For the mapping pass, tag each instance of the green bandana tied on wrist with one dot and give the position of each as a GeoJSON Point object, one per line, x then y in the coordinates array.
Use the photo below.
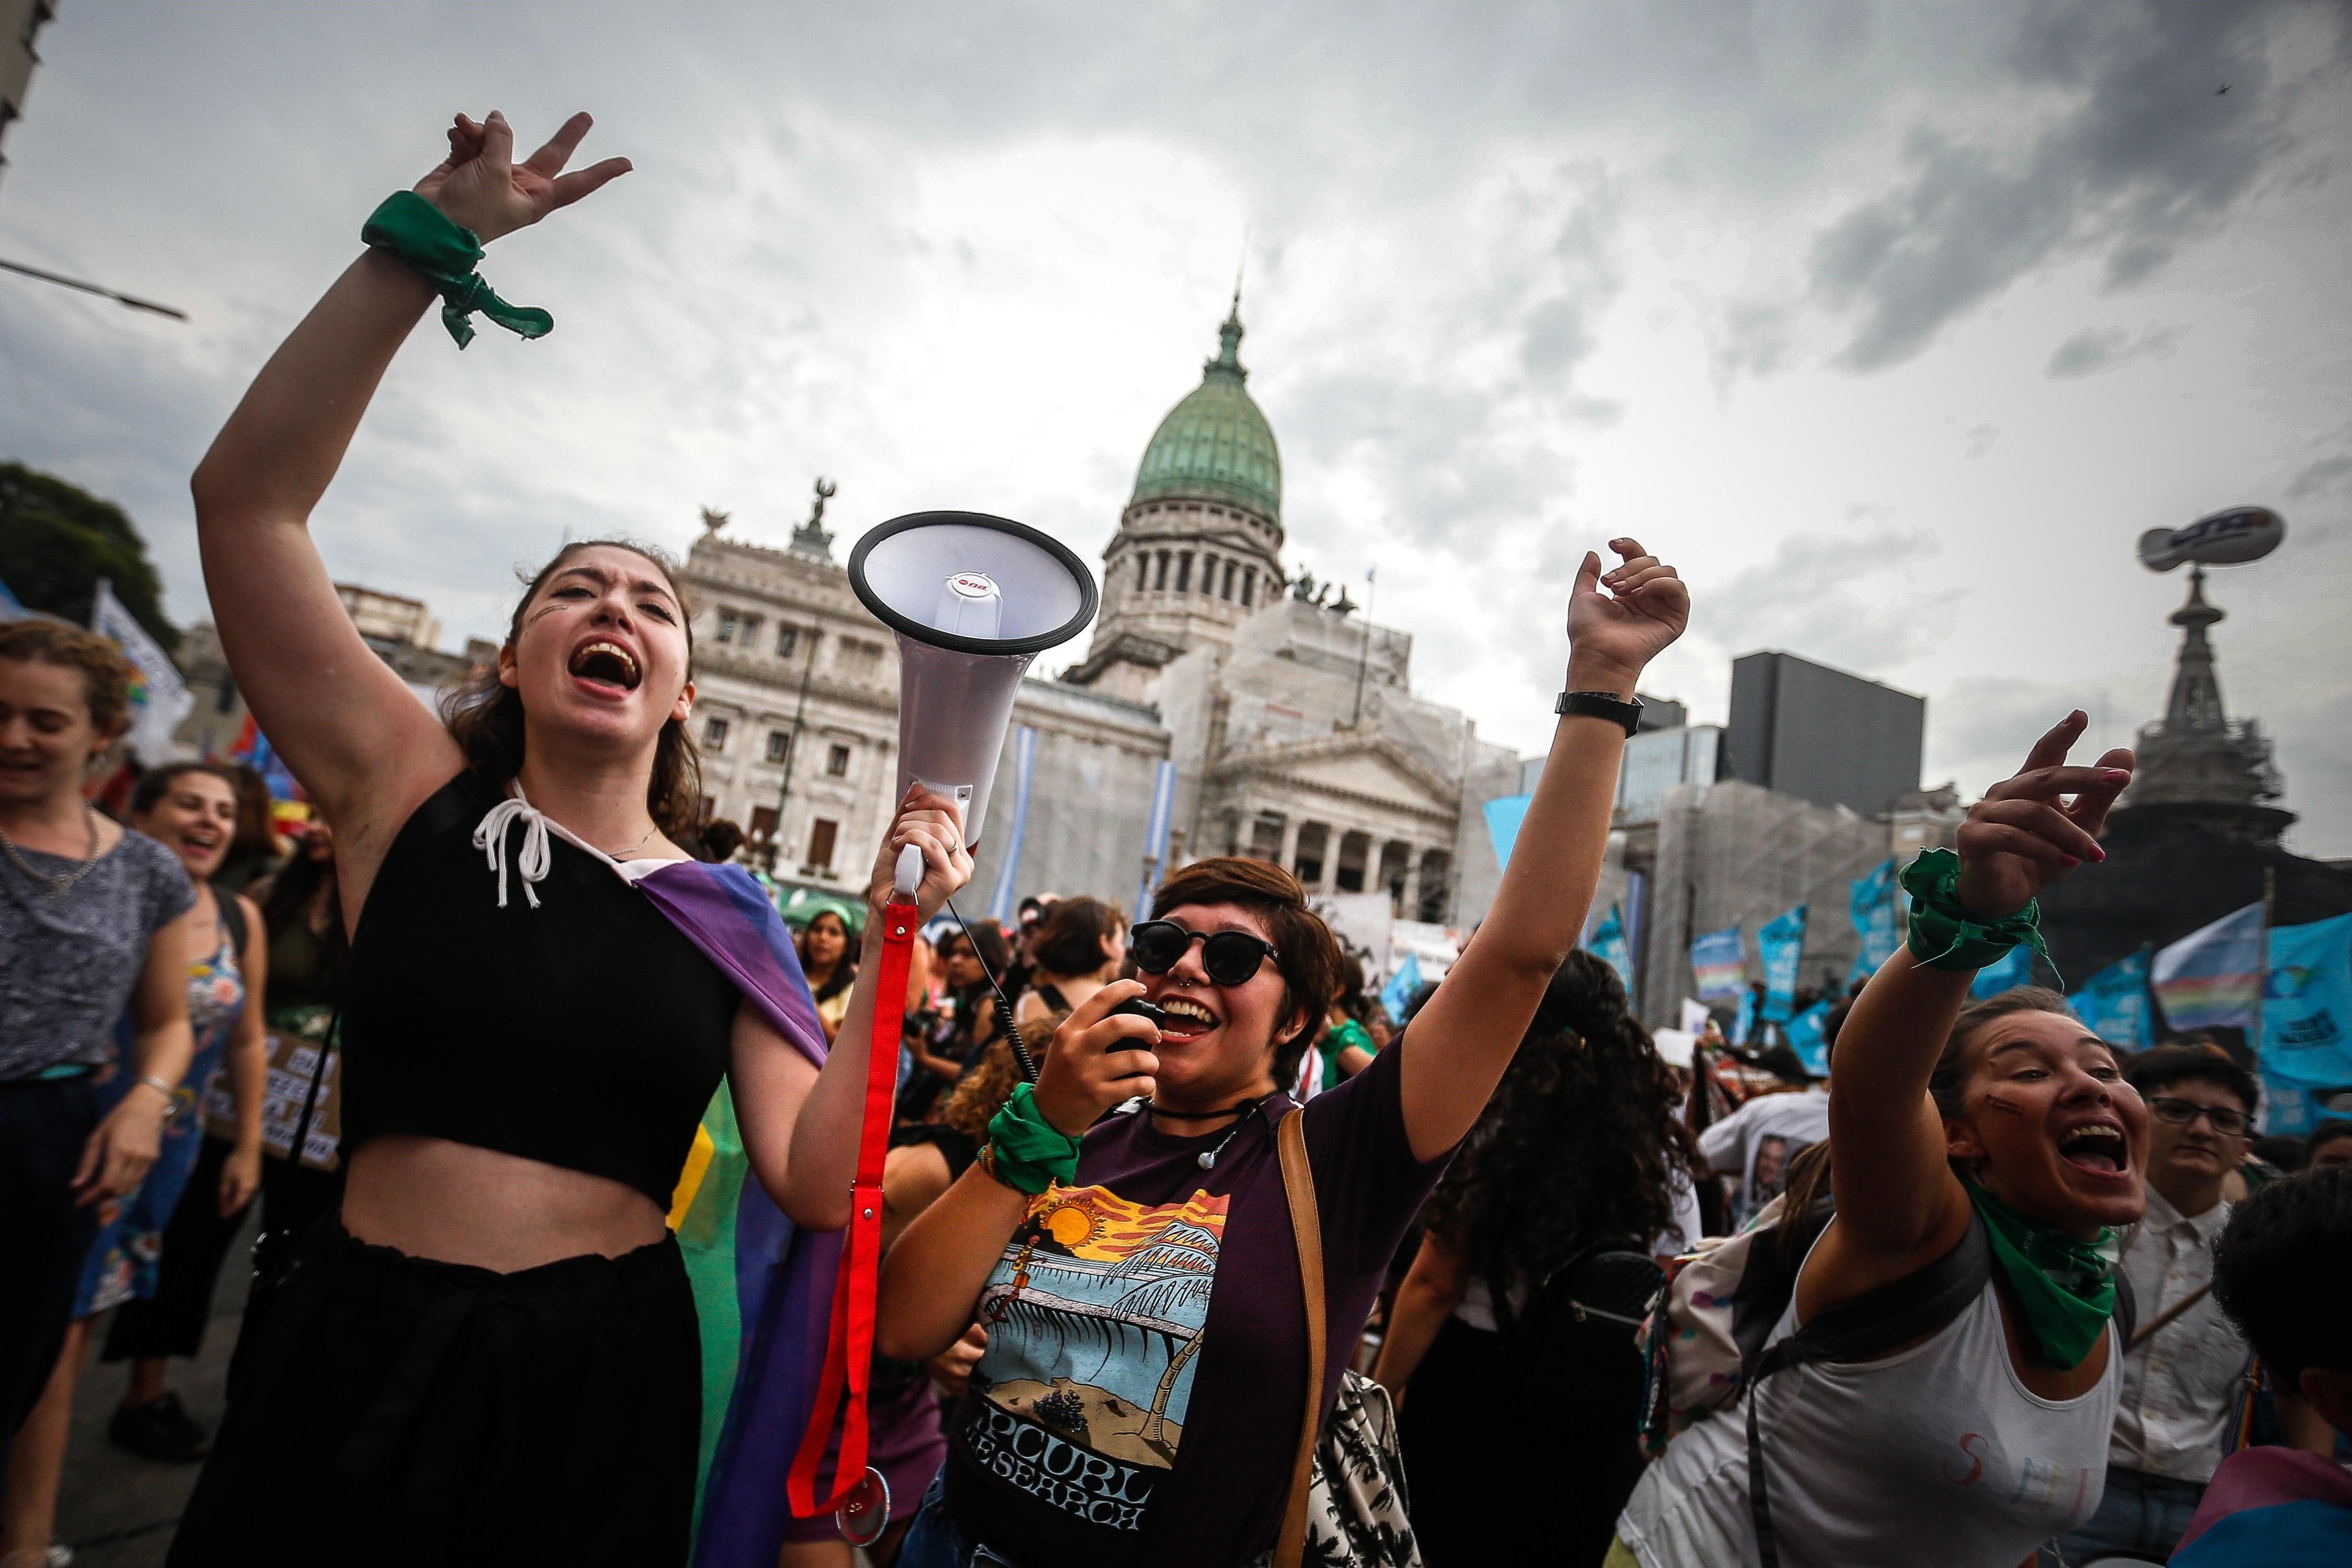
{"type": "Point", "coordinates": [428, 242]}
{"type": "Point", "coordinates": [1027, 1152]}
{"type": "Point", "coordinates": [1943, 936]}
{"type": "Point", "coordinates": [2066, 1286]}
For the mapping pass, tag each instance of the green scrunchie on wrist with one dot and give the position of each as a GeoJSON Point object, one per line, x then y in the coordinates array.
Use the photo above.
{"type": "Point", "coordinates": [1943, 936]}
{"type": "Point", "coordinates": [433, 246]}
{"type": "Point", "coordinates": [1027, 1152]}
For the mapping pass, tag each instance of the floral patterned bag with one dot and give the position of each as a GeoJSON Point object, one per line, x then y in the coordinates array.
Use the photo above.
{"type": "Point", "coordinates": [1348, 1506]}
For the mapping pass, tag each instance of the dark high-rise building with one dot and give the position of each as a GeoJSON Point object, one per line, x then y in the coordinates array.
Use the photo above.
{"type": "Point", "coordinates": [1823, 735]}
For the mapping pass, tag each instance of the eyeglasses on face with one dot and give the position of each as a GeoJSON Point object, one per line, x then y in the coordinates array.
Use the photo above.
{"type": "Point", "coordinates": [2174, 1111]}
{"type": "Point", "coordinates": [1229, 957]}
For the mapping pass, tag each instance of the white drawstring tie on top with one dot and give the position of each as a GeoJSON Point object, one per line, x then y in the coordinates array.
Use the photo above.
{"type": "Point", "coordinates": [490, 838]}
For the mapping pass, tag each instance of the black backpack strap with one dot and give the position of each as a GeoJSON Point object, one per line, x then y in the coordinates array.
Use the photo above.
{"type": "Point", "coordinates": [232, 920]}
{"type": "Point", "coordinates": [2126, 1313]}
{"type": "Point", "coordinates": [1871, 1324]}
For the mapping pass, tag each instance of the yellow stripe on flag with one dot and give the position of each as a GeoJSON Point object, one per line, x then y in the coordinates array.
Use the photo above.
{"type": "Point", "coordinates": [689, 1180]}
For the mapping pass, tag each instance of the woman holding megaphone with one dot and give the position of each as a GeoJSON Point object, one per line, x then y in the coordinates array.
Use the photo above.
{"type": "Point", "coordinates": [1127, 1235]}
{"type": "Point", "coordinates": [491, 1352]}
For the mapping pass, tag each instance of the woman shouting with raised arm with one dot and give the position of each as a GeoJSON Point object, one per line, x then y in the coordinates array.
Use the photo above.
{"type": "Point", "coordinates": [1126, 1236]}
{"type": "Point", "coordinates": [490, 1354]}
{"type": "Point", "coordinates": [1982, 1156]}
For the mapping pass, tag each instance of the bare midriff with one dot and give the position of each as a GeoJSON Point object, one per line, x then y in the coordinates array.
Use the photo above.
{"type": "Point", "coordinates": [455, 1203]}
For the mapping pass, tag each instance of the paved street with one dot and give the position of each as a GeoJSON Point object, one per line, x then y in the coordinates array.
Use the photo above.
{"type": "Point", "coordinates": [117, 1511]}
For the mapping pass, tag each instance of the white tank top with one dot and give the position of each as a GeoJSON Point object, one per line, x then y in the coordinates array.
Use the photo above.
{"type": "Point", "coordinates": [1937, 1457]}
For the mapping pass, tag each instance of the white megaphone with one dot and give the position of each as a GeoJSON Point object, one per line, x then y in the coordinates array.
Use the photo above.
{"type": "Point", "coordinates": [973, 599]}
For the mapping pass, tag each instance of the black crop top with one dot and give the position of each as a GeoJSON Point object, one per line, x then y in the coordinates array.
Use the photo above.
{"type": "Point", "coordinates": [587, 1033]}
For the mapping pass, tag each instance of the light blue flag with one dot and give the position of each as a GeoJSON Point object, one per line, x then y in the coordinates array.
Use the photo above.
{"type": "Point", "coordinates": [2113, 1003]}
{"type": "Point", "coordinates": [1024, 765]}
{"type": "Point", "coordinates": [1743, 1022]}
{"type": "Point", "coordinates": [1608, 944]}
{"type": "Point", "coordinates": [1870, 904]}
{"type": "Point", "coordinates": [1398, 992]}
{"type": "Point", "coordinates": [1807, 1039]}
{"type": "Point", "coordinates": [1155, 835]}
{"type": "Point", "coordinates": [2307, 1004]}
{"type": "Point", "coordinates": [2005, 974]}
{"type": "Point", "coordinates": [1781, 945]}
{"type": "Point", "coordinates": [1504, 815]}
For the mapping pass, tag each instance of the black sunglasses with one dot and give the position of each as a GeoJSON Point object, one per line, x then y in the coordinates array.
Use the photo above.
{"type": "Point", "coordinates": [1230, 957]}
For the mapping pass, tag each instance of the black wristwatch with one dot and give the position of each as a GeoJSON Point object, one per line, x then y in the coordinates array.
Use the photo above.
{"type": "Point", "coordinates": [1602, 705]}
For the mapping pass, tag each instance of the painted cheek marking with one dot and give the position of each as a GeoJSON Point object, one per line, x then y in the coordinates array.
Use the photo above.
{"type": "Point", "coordinates": [2000, 1102]}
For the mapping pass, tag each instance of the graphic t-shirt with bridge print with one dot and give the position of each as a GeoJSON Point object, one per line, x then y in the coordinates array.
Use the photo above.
{"type": "Point", "coordinates": [1138, 1399]}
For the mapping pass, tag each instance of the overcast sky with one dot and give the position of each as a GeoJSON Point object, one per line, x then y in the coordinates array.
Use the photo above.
{"type": "Point", "coordinates": [1892, 325]}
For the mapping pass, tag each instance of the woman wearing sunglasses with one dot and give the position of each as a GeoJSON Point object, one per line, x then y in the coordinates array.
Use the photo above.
{"type": "Point", "coordinates": [1125, 1237]}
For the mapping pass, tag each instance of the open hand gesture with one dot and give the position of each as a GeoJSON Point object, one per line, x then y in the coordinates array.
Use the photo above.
{"type": "Point", "coordinates": [1612, 635]}
{"type": "Point", "coordinates": [481, 187]}
{"type": "Point", "coordinates": [2023, 837]}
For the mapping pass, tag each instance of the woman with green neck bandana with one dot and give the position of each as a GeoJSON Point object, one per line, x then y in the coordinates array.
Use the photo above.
{"type": "Point", "coordinates": [2003, 1125]}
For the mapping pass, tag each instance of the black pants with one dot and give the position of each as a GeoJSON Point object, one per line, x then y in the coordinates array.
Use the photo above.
{"type": "Point", "coordinates": [43, 1238]}
{"type": "Point", "coordinates": [1504, 1472]}
{"type": "Point", "coordinates": [396, 1411]}
{"type": "Point", "coordinates": [171, 1321]}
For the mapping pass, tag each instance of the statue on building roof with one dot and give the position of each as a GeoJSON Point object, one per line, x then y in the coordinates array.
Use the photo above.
{"type": "Point", "coordinates": [811, 537]}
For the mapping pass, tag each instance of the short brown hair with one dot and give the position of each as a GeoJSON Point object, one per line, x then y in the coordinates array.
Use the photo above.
{"type": "Point", "coordinates": [485, 715]}
{"type": "Point", "coordinates": [1069, 938]}
{"type": "Point", "coordinates": [105, 673]}
{"type": "Point", "coordinates": [1308, 955]}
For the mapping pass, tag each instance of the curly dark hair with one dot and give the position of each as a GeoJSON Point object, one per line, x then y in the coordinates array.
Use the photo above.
{"type": "Point", "coordinates": [1582, 1141]}
{"type": "Point", "coordinates": [2282, 1267]}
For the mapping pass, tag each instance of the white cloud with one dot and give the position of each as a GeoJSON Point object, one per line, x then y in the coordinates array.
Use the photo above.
{"type": "Point", "coordinates": [1762, 292]}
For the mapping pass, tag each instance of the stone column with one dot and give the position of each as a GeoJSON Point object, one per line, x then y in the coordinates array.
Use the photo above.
{"type": "Point", "coordinates": [1410, 908]}
{"type": "Point", "coordinates": [1291, 826]}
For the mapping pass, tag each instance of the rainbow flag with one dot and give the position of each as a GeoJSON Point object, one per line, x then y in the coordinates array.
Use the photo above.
{"type": "Point", "coordinates": [1718, 964]}
{"type": "Point", "coordinates": [762, 1288]}
{"type": "Point", "coordinates": [2212, 978]}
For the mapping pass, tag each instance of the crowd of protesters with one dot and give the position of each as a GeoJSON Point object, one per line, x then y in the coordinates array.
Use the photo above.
{"type": "Point", "coordinates": [1191, 1251]}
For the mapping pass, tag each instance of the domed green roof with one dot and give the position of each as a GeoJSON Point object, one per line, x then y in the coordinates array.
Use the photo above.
{"type": "Point", "coordinates": [1216, 442]}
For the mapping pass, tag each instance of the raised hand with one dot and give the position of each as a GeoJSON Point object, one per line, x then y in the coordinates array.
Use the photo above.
{"type": "Point", "coordinates": [2024, 835]}
{"type": "Point", "coordinates": [1612, 635]}
{"type": "Point", "coordinates": [935, 824]}
{"type": "Point", "coordinates": [481, 187]}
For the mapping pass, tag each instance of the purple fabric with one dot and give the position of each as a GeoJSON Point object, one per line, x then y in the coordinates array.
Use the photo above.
{"type": "Point", "coordinates": [784, 1276]}
{"type": "Point", "coordinates": [727, 914]}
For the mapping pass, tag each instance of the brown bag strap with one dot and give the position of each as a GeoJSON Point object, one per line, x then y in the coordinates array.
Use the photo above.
{"type": "Point", "coordinates": [1307, 1229]}
{"type": "Point", "coordinates": [2170, 1313]}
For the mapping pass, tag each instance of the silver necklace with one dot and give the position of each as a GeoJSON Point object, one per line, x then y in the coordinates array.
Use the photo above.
{"type": "Point", "coordinates": [59, 885]}
{"type": "Point", "coordinates": [640, 844]}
